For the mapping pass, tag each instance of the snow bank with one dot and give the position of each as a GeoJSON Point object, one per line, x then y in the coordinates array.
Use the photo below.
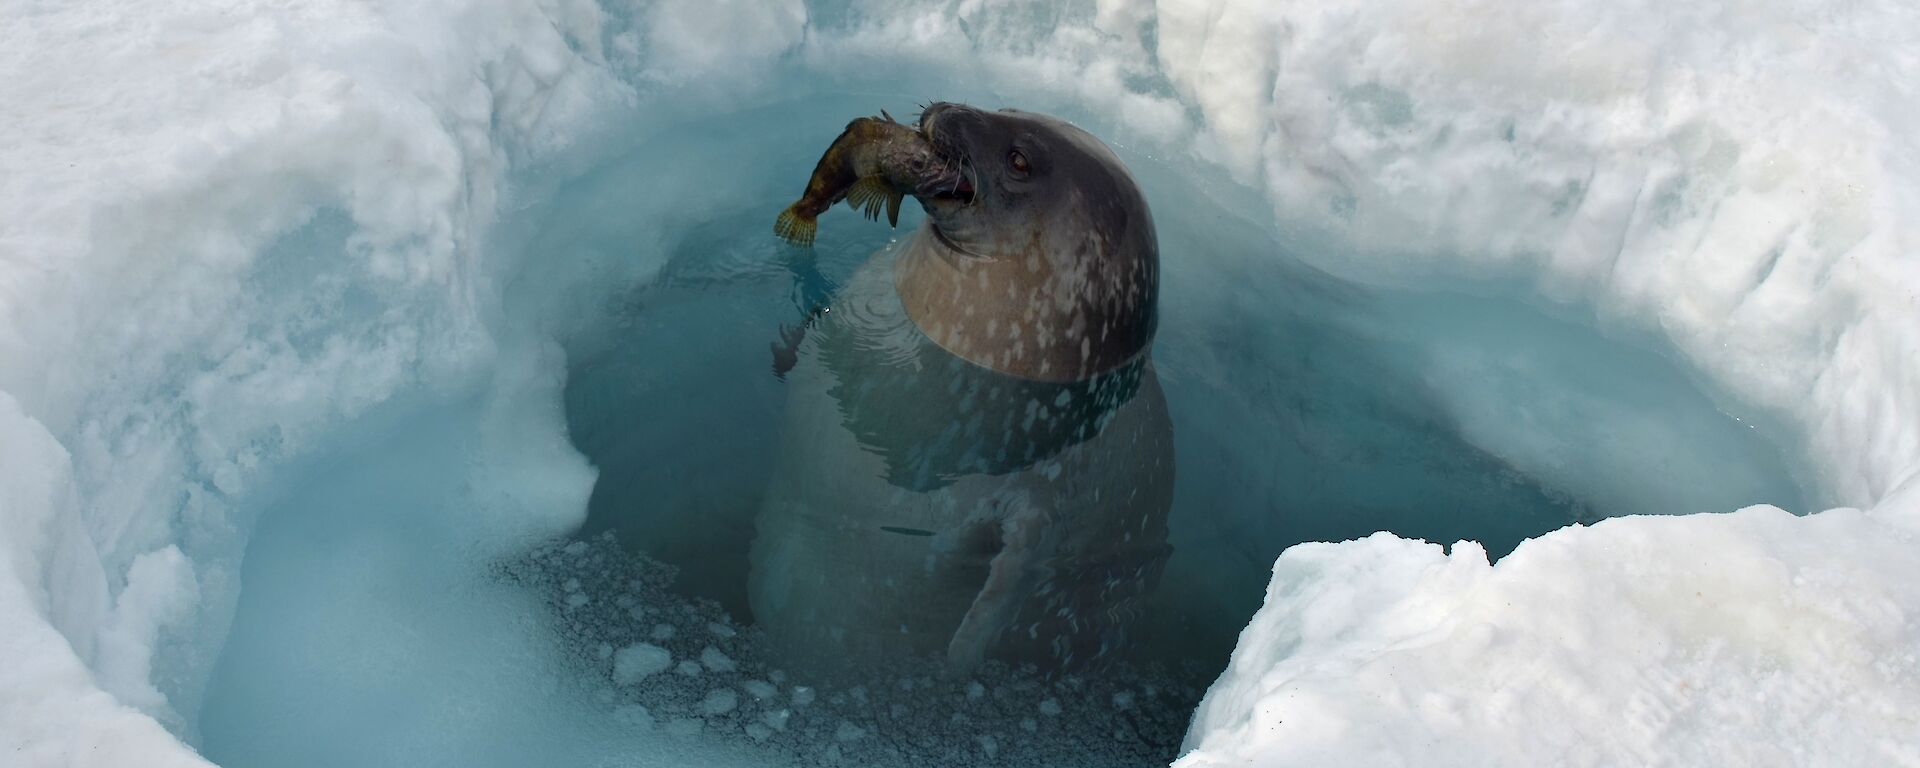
{"type": "Point", "coordinates": [1738, 178]}
{"type": "Point", "coordinates": [1733, 178]}
{"type": "Point", "coordinates": [49, 700]}
{"type": "Point", "coordinates": [229, 228]}
{"type": "Point", "coordinates": [1751, 638]}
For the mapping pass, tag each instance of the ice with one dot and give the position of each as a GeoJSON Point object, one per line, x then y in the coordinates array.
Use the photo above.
{"type": "Point", "coordinates": [989, 745]}
{"type": "Point", "coordinates": [175, 365]}
{"type": "Point", "coordinates": [48, 700]}
{"type": "Point", "coordinates": [719, 701]}
{"type": "Point", "coordinates": [901, 713]}
{"type": "Point", "coordinates": [635, 715]}
{"type": "Point", "coordinates": [635, 662]}
{"type": "Point", "coordinates": [715, 661]}
{"type": "Point", "coordinates": [1752, 638]}
{"type": "Point", "coordinates": [160, 591]}
{"type": "Point", "coordinates": [776, 719]}
{"type": "Point", "coordinates": [760, 689]}
{"type": "Point", "coordinates": [293, 301]}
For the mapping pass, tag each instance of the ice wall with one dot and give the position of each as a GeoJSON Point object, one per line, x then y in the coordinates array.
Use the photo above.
{"type": "Point", "coordinates": [159, 365]}
{"type": "Point", "coordinates": [1732, 177]}
{"type": "Point", "coordinates": [1738, 178]}
{"type": "Point", "coordinates": [236, 235]}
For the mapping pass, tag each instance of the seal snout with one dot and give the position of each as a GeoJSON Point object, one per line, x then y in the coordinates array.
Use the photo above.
{"type": "Point", "coordinates": [930, 113]}
{"type": "Point", "coordinates": [953, 178]}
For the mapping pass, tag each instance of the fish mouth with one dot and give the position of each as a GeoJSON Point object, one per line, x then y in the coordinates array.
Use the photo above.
{"type": "Point", "coordinates": [953, 178]}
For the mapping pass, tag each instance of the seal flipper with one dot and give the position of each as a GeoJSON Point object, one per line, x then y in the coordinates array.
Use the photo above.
{"type": "Point", "coordinates": [1011, 578]}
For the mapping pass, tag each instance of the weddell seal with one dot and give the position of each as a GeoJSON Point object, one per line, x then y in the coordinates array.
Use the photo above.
{"type": "Point", "coordinates": [976, 460]}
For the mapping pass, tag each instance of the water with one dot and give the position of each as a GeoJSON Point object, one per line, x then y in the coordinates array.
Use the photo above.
{"type": "Point", "coordinates": [1303, 408]}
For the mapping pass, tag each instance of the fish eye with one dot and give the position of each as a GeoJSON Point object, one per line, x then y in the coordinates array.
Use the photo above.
{"type": "Point", "coordinates": [1018, 160]}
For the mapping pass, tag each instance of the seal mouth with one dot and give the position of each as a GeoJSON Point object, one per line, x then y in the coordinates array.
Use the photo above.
{"type": "Point", "coordinates": [954, 179]}
{"type": "Point", "coordinates": [955, 185]}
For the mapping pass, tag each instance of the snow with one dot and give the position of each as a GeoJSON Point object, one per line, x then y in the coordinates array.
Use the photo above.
{"type": "Point", "coordinates": [1750, 638]}
{"type": "Point", "coordinates": [153, 152]}
{"type": "Point", "coordinates": [1739, 177]}
{"type": "Point", "coordinates": [237, 237]}
{"type": "Point", "coordinates": [53, 712]}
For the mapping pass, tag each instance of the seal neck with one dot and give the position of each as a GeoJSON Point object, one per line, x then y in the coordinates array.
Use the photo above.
{"type": "Point", "coordinates": [1042, 315]}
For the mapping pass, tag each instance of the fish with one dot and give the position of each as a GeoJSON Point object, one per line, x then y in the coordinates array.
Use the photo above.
{"type": "Point", "coordinates": [875, 163]}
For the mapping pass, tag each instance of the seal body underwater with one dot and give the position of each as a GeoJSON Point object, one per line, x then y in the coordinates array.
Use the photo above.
{"type": "Point", "coordinates": [977, 460]}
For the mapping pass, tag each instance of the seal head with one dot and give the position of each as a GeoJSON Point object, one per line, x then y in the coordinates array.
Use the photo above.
{"type": "Point", "coordinates": [1042, 261]}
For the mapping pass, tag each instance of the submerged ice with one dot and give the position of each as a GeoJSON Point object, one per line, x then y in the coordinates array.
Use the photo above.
{"type": "Point", "coordinates": [331, 343]}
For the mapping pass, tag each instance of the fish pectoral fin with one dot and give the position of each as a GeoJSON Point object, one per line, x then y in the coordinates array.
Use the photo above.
{"type": "Point", "coordinates": [1011, 578]}
{"type": "Point", "coordinates": [867, 195]}
{"type": "Point", "coordinates": [893, 209]}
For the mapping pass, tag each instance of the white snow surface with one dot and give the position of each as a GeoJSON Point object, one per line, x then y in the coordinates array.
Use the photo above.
{"type": "Point", "coordinates": [1752, 638]}
{"type": "Point", "coordinates": [1740, 178]}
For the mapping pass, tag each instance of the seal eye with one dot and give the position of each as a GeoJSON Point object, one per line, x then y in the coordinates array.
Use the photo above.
{"type": "Point", "coordinates": [1018, 160]}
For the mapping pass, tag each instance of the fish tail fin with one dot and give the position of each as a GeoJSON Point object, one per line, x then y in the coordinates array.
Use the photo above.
{"type": "Point", "coordinates": [795, 227]}
{"type": "Point", "coordinates": [867, 195]}
{"type": "Point", "coordinates": [893, 209]}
